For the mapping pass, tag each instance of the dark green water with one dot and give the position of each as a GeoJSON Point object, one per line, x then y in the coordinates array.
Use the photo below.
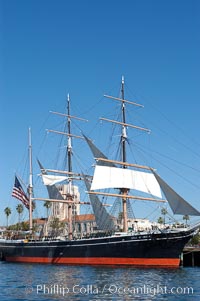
{"type": "Point", "coordinates": [84, 283]}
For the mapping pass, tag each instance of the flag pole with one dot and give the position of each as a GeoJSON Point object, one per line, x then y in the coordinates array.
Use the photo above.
{"type": "Point", "coordinates": [30, 187]}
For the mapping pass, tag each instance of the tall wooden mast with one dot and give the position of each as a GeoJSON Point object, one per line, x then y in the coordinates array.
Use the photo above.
{"type": "Point", "coordinates": [123, 136]}
{"type": "Point", "coordinates": [124, 125]}
{"type": "Point", "coordinates": [69, 196]}
{"type": "Point", "coordinates": [69, 144]}
{"type": "Point", "coordinates": [124, 191]}
{"type": "Point", "coordinates": [30, 187]}
{"type": "Point", "coordinates": [69, 155]}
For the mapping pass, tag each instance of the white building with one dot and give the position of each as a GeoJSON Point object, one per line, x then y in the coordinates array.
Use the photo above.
{"type": "Point", "coordinates": [60, 210]}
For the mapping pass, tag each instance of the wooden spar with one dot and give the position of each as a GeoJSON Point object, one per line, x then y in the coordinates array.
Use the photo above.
{"type": "Point", "coordinates": [127, 196]}
{"type": "Point", "coordinates": [66, 134]}
{"type": "Point", "coordinates": [67, 202]}
{"type": "Point", "coordinates": [124, 163]}
{"type": "Point", "coordinates": [84, 203]}
{"type": "Point", "coordinates": [65, 172]}
{"type": "Point", "coordinates": [69, 116]}
{"type": "Point", "coordinates": [60, 201]}
{"type": "Point", "coordinates": [126, 124]}
{"type": "Point", "coordinates": [124, 100]}
{"type": "Point", "coordinates": [60, 171]}
{"type": "Point", "coordinates": [106, 205]}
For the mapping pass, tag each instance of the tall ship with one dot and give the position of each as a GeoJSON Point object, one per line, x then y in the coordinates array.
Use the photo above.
{"type": "Point", "coordinates": [111, 242]}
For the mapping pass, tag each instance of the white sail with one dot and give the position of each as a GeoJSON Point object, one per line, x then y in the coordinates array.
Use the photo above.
{"type": "Point", "coordinates": [50, 180]}
{"type": "Point", "coordinates": [113, 177]}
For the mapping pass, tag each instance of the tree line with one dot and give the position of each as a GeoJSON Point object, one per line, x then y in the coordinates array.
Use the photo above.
{"type": "Point", "coordinates": [20, 210]}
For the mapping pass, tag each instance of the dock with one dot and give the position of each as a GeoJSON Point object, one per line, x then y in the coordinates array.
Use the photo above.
{"type": "Point", "coordinates": [191, 257]}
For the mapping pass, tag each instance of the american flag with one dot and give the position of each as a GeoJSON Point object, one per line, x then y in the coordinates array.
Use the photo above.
{"type": "Point", "coordinates": [19, 193]}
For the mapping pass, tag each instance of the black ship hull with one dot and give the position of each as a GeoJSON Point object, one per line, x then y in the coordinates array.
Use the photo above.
{"type": "Point", "coordinates": [154, 249]}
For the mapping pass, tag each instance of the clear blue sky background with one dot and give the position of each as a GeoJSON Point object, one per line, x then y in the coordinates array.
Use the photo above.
{"type": "Point", "coordinates": [50, 48]}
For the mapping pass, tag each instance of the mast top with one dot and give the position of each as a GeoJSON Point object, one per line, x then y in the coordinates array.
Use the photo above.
{"type": "Point", "coordinates": [122, 79]}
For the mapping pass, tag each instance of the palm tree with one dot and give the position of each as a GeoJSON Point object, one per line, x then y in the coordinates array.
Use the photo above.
{"type": "Point", "coordinates": [35, 226]}
{"type": "Point", "coordinates": [48, 205]}
{"type": "Point", "coordinates": [186, 218]}
{"type": "Point", "coordinates": [19, 209]}
{"type": "Point", "coordinates": [7, 211]}
{"type": "Point", "coordinates": [160, 220]}
{"type": "Point", "coordinates": [164, 212]}
{"type": "Point", "coordinates": [57, 226]}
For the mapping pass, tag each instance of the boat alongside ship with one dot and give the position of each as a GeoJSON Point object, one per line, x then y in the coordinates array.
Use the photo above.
{"type": "Point", "coordinates": [158, 247]}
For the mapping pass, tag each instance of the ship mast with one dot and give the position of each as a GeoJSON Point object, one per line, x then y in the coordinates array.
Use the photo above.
{"type": "Point", "coordinates": [69, 196]}
{"type": "Point", "coordinates": [124, 136]}
{"type": "Point", "coordinates": [69, 155]}
{"type": "Point", "coordinates": [124, 191]}
{"type": "Point", "coordinates": [69, 144]}
{"type": "Point", "coordinates": [30, 187]}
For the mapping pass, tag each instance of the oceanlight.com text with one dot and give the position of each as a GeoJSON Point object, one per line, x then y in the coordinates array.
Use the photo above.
{"type": "Point", "coordinates": [107, 289]}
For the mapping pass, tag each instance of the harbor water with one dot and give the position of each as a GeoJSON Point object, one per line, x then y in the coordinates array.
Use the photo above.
{"type": "Point", "coordinates": [85, 283]}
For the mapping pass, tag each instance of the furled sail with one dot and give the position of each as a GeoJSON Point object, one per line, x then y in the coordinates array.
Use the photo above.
{"type": "Point", "coordinates": [176, 202]}
{"type": "Point", "coordinates": [113, 177]}
{"type": "Point", "coordinates": [103, 219]}
{"type": "Point", "coordinates": [52, 179]}
{"type": "Point", "coordinates": [52, 190]}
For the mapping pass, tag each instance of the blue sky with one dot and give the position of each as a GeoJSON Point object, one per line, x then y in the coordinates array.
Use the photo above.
{"type": "Point", "coordinates": [50, 48]}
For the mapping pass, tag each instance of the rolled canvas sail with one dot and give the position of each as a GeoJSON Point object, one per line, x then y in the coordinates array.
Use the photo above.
{"type": "Point", "coordinates": [53, 191]}
{"type": "Point", "coordinates": [113, 177]}
{"type": "Point", "coordinates": [51, 179]}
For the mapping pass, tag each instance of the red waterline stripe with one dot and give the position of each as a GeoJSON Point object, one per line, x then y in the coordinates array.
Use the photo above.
{"type": "Point", "coordinates": [165, 262]}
